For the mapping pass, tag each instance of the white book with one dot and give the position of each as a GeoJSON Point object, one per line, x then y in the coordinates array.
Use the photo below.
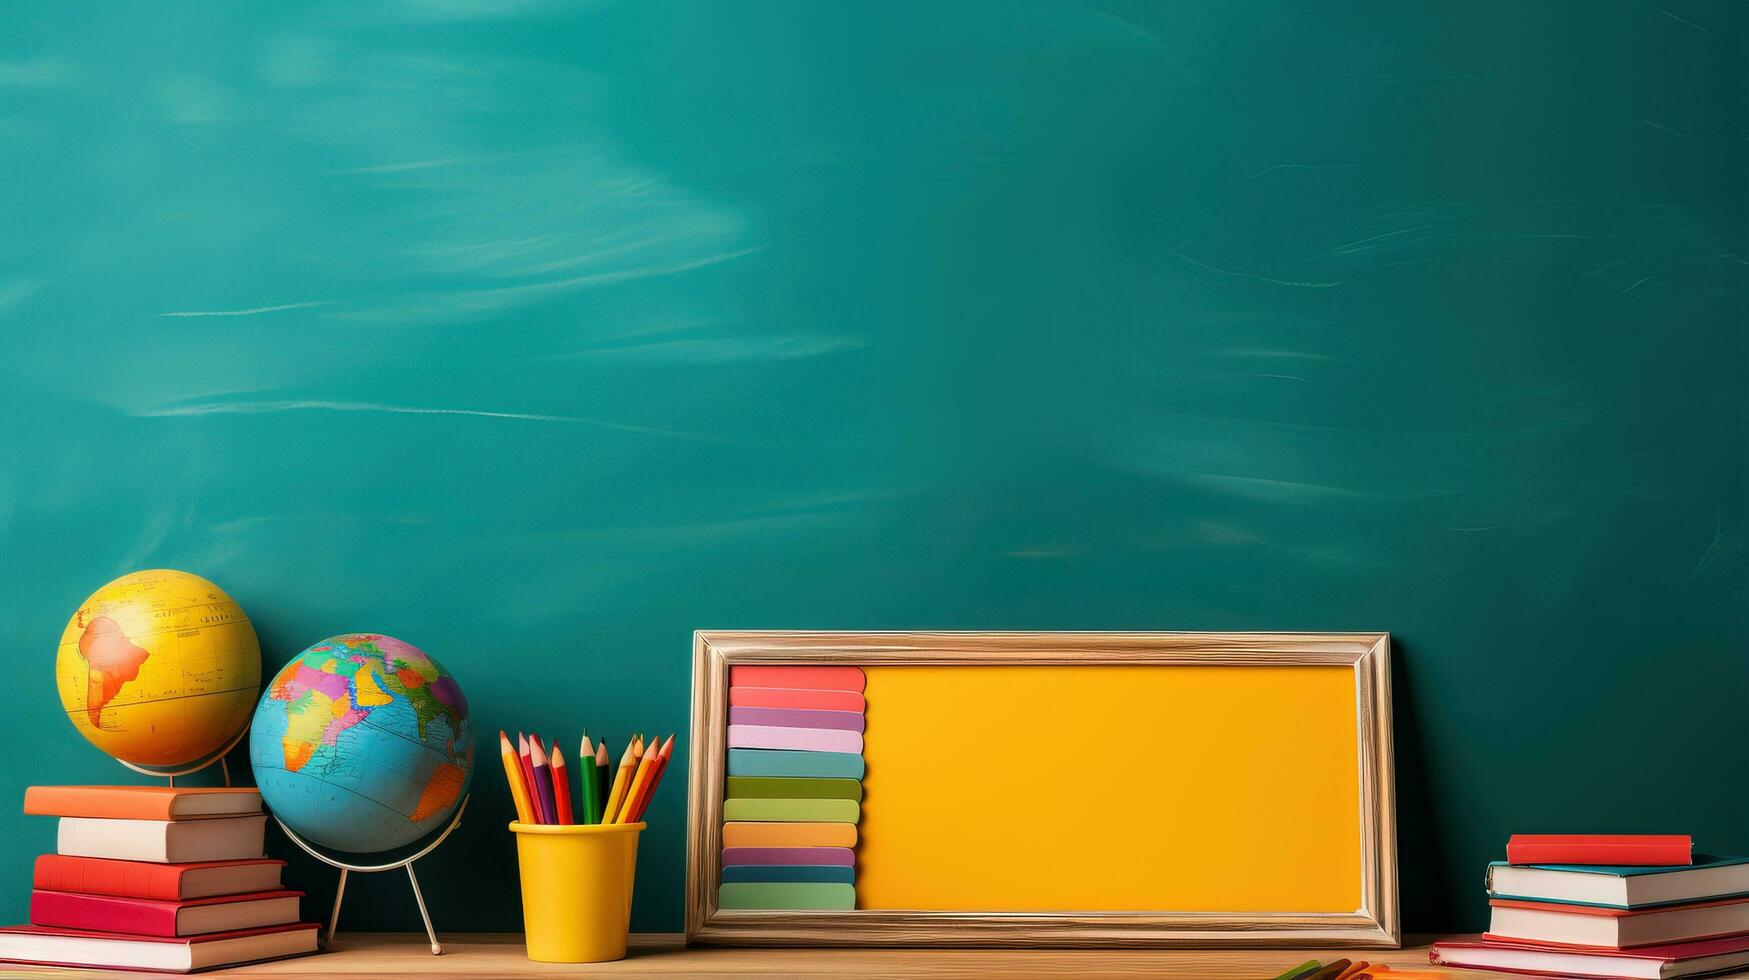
{"type": "Point", "coordinates": [1621, 888]}
{"type": "Point", "coordinates": [1585, 925]}
{"type": "Point", "coordinates": [163, 841]}
{"type": "Point", "coordinates": [68, 947]}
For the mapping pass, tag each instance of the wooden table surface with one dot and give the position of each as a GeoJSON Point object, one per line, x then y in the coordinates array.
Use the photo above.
{"type": "Point", "coordinates": [390, 956]}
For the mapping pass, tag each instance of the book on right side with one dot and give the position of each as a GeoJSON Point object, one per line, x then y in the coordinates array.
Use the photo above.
{"type": "Point", "coordinates": [1563, 923]}
{"type": "Point", "coordinates": [1650, 850]}
{"type": "Point", "coordinates": [1665, 962]}
{"type": "Point", "coordinates": [1621, 887]}
{"type": "Point", "coordinates": [163, 841]}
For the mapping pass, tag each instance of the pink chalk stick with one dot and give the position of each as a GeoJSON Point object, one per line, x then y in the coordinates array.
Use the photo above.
{"type": "Point", "coordinates": [841, 857]}
{"type": "Point", "coordinates": [790, 697]}
{"type": "Point", "coordinates": [844, 721]}
{"type": "Point", "coordinates": [802, 739]}
{"type": "Point", "coordinates": [812, 678]}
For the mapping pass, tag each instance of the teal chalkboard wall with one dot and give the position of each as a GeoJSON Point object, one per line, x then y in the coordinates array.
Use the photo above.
{"type": "Point", "coordinates": [542, 334]}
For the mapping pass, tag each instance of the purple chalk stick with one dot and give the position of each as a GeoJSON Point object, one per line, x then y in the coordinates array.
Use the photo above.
{"type": "Point", "coordinates": [842, 857]}
{"type": "Point", "coordinates": [844, 721]}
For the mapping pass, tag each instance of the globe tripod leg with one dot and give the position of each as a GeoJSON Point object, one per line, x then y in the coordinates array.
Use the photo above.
{"type": "Point", "coordinates": [339, 893]}
{"type": "Point", "coordinates": [431, 934]}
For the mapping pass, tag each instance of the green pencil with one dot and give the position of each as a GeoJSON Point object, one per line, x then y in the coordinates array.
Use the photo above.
{"type": "Point", "coordinates": [586, 776]}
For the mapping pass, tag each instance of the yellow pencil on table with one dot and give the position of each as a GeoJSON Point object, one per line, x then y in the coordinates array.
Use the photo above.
{"type": "Point", "coordinates": [640, 779]}
{"type": "Point", "coordinates": [621, 778]}
{"type": "Point", "coordinates": [513, 776]}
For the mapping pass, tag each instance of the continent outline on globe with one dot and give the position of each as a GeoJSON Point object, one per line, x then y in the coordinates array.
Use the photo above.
{"type": "Point", "coordinates": [368, 725]}
{"type": "Point", "coordinates": [159, 668]}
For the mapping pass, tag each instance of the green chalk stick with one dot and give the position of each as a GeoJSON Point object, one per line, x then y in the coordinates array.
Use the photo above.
{"type": "Point", "coordinates": [792, 873]}
{"type": "Point", "coordinates": [768, 788]}
{"type": "Point", "coordinates": [790, 762]}
{"type": "Point", "coordinates": [1309, 966]}
{"type": "Point", "coordinates": [793, 811]}
{"type": "Point", "coordinates": [786, 895]}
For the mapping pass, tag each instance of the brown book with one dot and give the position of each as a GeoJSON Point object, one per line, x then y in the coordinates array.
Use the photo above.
{"type": "Point", "coordinates": [141, 802]}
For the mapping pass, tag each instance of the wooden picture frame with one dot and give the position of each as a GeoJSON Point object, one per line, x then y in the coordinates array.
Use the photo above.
{"type": "Point", "coordinates": [1373, 925]}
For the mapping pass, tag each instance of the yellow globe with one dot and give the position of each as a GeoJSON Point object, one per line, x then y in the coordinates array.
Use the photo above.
{"type": "Point", "coordinates": [159, 669]}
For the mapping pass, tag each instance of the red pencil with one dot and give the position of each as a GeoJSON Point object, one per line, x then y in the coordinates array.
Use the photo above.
{"type": "Point", "coordinates": [561, 785]}
{"type": "Point", "coordinates": [522, 756]}
{"type": "Point", "coordinates": [662, 757]}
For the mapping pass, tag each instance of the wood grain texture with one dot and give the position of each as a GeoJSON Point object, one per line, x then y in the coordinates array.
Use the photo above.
{"type": "Point", "coordinates": [404, 956]}
{"type": "Point", "coordinates": [1374, 925]}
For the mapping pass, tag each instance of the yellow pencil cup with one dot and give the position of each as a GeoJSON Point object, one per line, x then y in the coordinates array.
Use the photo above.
{"type": "Point", "coordinates": [576, 889]}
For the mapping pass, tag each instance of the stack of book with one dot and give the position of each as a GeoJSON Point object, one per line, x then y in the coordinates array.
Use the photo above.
{"type": "Point", "coordinates": [1609, 907]}
{"type": "Point", "coordinates": [156, 878]}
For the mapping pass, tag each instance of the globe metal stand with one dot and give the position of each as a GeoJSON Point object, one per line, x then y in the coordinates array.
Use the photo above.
{"type": "Point", "coordinates": [406, 862]}
{"type": "Point", "coordinates": [218, 757]}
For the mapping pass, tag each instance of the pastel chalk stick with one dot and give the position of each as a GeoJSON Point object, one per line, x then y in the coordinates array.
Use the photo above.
{"type": "Point", "coordinates": [750, 834]}
{"type": "Point", "coordinates": [792, 811]}
{"type": "Point", "coordinates": [790, 872]}
{"type": "Point", "coordinates": [842, 857]}
{"type": "Point", "coordinates": [800, 739]}
{"type": "Point", "coordinates": [770, 762]}
{"type": "Point", "coordinates": [789, 697]}
{"type": "Point", "coordinates": [779, 788]}
{"type": "Point", "coordinates": [842, 721]}
{"type": "Point", "coordinates": [808, 895]}
{"type": "Point", "coordinates": [832, 678]}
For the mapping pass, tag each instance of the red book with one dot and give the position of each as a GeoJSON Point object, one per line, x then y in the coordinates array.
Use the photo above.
{"type": "Point", "coordinates": [162, 882]}
{"type": "Point", "coordinates": [1540, 959]}
{"type": "Point", "coordinates": [142, 917]}
{"type": "Point", "coordinates": [43, 946]}
{"type": "Point", "coordinates": [141, 802]}
{"type": "Point", "coordinates": [1616, 850]}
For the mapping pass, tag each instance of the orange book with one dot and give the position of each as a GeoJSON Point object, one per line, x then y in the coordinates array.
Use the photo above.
{"type": "Point", "coordinates": [141, 802]}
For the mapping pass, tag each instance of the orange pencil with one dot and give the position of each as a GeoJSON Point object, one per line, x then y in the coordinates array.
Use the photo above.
{"type": "Point", "coordinates": [534, 800]}
{"type": "Point", "coordinates": [513, 776]}
{"type": "Point", "coordinates": [662, 757]}
{"type": "Point", "coordinates": [640, 780]}
{"type": "Point", "coordinates": [561, 785]}
{"type": "Point", "coordinates": [634, 812]}
{"type": "Point", "coordinates": [627, 763]}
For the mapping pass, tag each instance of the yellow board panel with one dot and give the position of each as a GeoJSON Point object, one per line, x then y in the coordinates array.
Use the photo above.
{"type": "Point", "coordinates": [1146, 788]}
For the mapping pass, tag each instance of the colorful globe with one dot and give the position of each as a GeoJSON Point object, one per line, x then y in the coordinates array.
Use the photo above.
{"type": "Point", "coordinates": [362, 743]}
{"type": "Point", "coordinates": [159, 669]}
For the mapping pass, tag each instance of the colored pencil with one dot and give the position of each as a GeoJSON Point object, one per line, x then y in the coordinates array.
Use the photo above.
{"type": "Point", "coordinates": [602, 764]}
{"type": "Point", "coordinates": [543, 781]}
{"type": "Point", "coordinates": [642, 802]}
{"type": "Point", "coordinates": [640, 782]}
{"type": "Point", "coordinates": [561, 785]}
{"type": "Point", "coordinates": [1331, 970]}
{"type": "Point", "coordinates": [586, 779]}
{"type": "Point", "coordinates": [616, 796]}
{"type": "Point", "coordinates": [534, 800]}
{"type": "Point", "coordinates": [513, 776]}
